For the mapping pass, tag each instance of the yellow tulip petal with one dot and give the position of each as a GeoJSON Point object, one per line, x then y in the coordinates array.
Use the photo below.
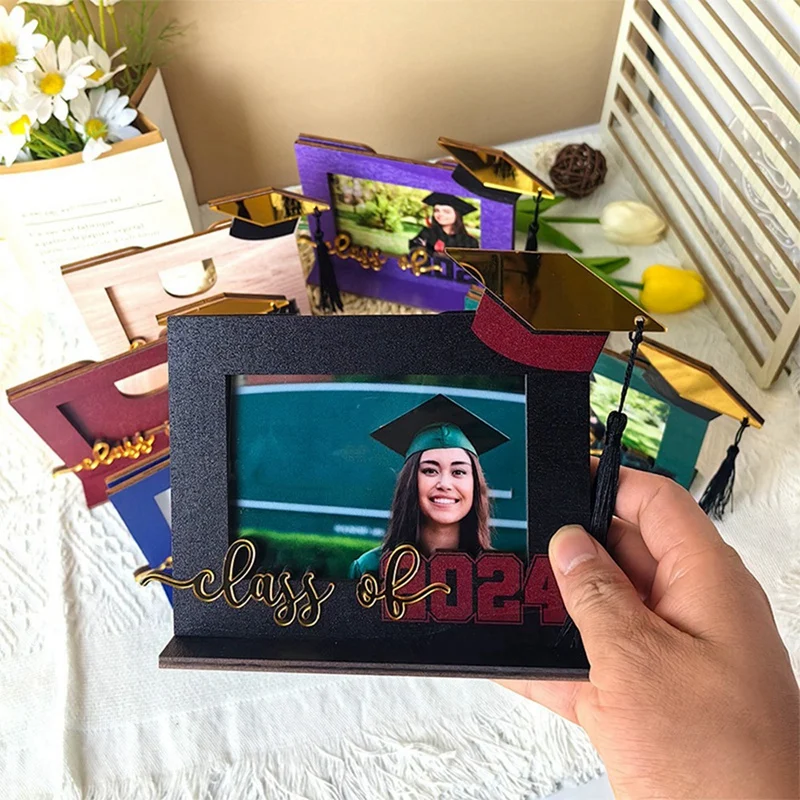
{"type": "Point", "coordinates": [668, 290]}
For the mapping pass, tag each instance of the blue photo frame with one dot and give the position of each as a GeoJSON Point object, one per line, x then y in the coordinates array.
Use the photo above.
{"type": "Point", "coordinates": [137, 495]}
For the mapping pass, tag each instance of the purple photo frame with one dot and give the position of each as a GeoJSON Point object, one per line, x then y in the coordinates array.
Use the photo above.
{"type": "Point", "coordinates": [445, 290]}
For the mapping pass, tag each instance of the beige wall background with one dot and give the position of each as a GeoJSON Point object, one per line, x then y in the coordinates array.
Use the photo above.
{"type": "Point", "coordinates": [394, 74]}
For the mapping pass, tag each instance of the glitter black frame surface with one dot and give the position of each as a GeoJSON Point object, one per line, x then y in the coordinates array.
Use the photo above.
{"type": "Point", "coordinates": [205, 352]}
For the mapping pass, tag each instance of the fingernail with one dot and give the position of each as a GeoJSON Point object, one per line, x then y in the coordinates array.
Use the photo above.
{"type": "Point", "coordinates": [571, 546]}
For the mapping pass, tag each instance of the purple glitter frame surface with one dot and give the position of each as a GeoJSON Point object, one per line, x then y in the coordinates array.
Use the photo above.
{"type": "Point", "coordinates": [318, 159]}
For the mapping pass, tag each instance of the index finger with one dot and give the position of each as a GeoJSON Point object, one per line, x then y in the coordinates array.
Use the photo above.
{"type": "Point", "coordinates": [666, 514]}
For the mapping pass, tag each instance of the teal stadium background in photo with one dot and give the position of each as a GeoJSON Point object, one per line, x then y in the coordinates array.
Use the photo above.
{"type": "Point", "coordinates": [313, 488]}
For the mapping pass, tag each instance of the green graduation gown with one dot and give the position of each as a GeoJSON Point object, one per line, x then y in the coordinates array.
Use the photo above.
{"type": "Point", "coordinates": [369, 562]}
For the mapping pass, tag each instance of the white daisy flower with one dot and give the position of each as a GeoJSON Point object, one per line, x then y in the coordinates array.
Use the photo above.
{"type": "Point", "coordinates": [100, 60]}
{"type": "Point", "coordinates": [18, 46]}
{"type": "Point", "coordinates": [101, 118]}
{"type": "Point", "coordinates": [15, 128]}
{"type": "Point", "coordinates": [58, 78]}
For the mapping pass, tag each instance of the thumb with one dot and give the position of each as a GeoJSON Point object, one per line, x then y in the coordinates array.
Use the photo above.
{"type": "Point", "coordinates": [601, 600]}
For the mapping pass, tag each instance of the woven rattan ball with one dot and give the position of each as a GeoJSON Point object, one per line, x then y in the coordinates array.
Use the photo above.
{"type": "Point", "coordinates": [578, 170]}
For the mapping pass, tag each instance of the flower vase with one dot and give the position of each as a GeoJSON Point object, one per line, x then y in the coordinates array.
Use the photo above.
{"type": "Point", "coordinates": [62, 210]}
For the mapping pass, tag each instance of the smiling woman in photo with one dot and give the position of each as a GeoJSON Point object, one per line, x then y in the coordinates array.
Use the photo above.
{"type": "Point", "coordinates": [447, 228]}
{"type": "Point", "coordinates": [441, 500]}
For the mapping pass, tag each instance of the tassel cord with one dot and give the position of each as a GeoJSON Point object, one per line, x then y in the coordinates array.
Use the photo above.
{"type": "Point", "coordinates": [635, 338]}
{"type": "Point", "coordinates": [532, 243]}
{"type": "Point", "coordinates": [330, 299]}
{"type": "Point", "coordinates": [607, 476]}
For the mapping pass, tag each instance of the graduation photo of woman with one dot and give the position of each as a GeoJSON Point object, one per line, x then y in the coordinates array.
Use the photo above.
{"type": "Point", "coordinates": [441, 500]}
{"type": "Point", "coordinates": [446, 226]}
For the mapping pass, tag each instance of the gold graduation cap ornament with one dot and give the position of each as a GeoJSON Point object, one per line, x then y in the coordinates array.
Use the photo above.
{"type": "Point", "coordinates": [265, 213]}
{"type": "Point", "coordinates": [553, 292]}
{"type": "Point", "coordinates": [232, 303]}
{"type": "Point", "coordinates": [497, 171]}
{"type": "Point", "coordinates": [269, 213]}
{"type": "Point", "coordinates": [701, 384]}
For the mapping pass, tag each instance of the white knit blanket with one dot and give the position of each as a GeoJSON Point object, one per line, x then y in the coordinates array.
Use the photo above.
{"type": "Point", "coordinates": [85, 712]}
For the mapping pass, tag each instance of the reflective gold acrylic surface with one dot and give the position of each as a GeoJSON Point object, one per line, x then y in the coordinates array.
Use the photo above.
{"type": "Point", "coordinates": [267, 206]}
{"type": "Point", "coordinates": [228, 304]}
{"type": "Point", "coordinates": [698, 382]}
{"type": "Point", "coordinates": [552, 291]}
{"type": "Point", "coordinates": [495, 169]}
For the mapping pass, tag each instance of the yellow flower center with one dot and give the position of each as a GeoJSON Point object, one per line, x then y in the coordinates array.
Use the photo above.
{"type": "Point", "coordinates": [8, 54]}
{"type": "Point", "coordinates": [96, 75]}
{"type": "Point", "coordinates": [51, 84]}
{"type": "Point", "coordinates": [95, 128]}
{"type": "Point", "coordinates": [20, 127]}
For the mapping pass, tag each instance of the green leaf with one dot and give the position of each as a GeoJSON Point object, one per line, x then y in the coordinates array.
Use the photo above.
{"type": "Point", "coordinates": [612, 282]}
{"type": "Point", "coordinates": [575, 220]}
{"type": "Point", "coordinates": [522, 221]}
{"type": "Point", "coordinates": [629, 284]}
{"type": "Point", "coordinates": [527, 205]}
{"type": "Point", "coordinates": [609, 280]}
{"type": "Point", "coordinates": [625, 292]}
{"type": "Point", "coordinates": [524, 212]}
{"type": "Point", "coordinates": [547, 233]}
{"type": "Point", "coordinates": [607, 264]}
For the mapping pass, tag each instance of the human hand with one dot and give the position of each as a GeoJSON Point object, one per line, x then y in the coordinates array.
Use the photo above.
{"type": "Point", "coordinates": [691, 693]}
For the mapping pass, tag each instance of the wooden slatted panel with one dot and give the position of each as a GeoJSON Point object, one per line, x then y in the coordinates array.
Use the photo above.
{"type": "Point", "coordinates": [692, 242]}
{"type": "Point", "coordinates": [792, 10]}
{"type": "Point", "coordinates": [729, 142]}
{"type": "Point", "coordinates": [763, 280]}
{"type": "Point", "coordinates": [679, 163]}
{"type": "Point", "coordinates": [661, 148]}
{"type": "Point", "coordinates": [774, 39]}
{"type": "Point", "coordinates": [724, 85]}
{"type": "Point", "coordinates": [749, 65]}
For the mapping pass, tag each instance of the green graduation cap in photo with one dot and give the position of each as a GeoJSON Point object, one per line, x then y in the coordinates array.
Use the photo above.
{"type": "Point", "coordinates": [444, 199]}
{"type": "Point", "coordinates": [439, 423]}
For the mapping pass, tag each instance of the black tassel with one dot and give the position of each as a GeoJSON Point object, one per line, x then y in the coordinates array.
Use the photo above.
{"type": "Point", "coordinates": [532, 242]}
{"type": "Point", "coordinates": [329, 297]}
{"type": "Point", "coordinates": [719, 491]}
{"type": "Point", "coordinates": [606, 478]}
{"type": "Point", "coordinates": [606, 481]}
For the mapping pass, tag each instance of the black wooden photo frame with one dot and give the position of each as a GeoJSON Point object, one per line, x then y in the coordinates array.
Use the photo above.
{"type": "Point", "coordinates": [207, 354]}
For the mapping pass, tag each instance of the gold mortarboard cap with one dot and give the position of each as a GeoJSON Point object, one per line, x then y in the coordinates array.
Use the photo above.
{"type": "Point", "coordinates": [552, 291]}
{"type": "Point", "coordinates": [266, 212]}
{"type": "Point", "coordinates": [495, 169]}
{"type": "Point", "coordinates": [226, 304]}
{"type": "Point", "coordinates": [698, 382]}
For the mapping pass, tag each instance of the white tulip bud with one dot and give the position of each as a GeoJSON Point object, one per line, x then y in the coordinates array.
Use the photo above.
{"type": "Point", "coordinates": [629, 222]}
